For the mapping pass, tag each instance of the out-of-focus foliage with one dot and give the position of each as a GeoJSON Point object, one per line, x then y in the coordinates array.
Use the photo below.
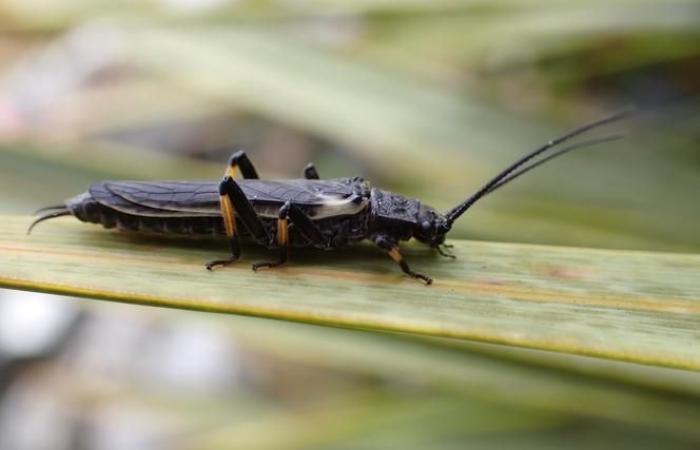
{"type": "Point", "coordinates": [429, 98]}
{"type": "Point", "coordinates": [416, 95]}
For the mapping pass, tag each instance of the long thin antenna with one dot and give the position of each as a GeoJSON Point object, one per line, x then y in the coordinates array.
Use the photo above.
{"type": "Point", "coordinates": [455, 213]}
{"type": "Point", "coordinates": [48, 216]}
{"type": "Point", "coordinates": [583, 144]}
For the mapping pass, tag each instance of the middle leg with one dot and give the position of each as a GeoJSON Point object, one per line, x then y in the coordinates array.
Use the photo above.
{"type": "Point", "coordinates": [292, 215]}
{"type": "Point", "coordinates": [282, 240]}
{"type": "Point", "coordinates": [310, 172]}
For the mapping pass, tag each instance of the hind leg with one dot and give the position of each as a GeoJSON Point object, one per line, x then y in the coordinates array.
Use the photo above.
{"type": "Point", "coordinates": [240, 161]}
{"type": "Point", "coordinates": [236, 207]}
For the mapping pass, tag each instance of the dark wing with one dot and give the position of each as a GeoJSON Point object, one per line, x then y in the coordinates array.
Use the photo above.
{"type": "Point", "coordinates": [191, 198]}
{"type": "Point", "coordinates": [187, 197]}
{"type": "Point", "coordinates": [171, 198]}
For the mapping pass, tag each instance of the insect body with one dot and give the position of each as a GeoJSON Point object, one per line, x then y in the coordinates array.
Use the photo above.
{"type": "Point", "coordinates": [308, 212]}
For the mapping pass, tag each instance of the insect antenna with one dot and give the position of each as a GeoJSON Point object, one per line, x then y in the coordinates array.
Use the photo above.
{"type": "Point", "coordinates": [47, 216]}
{"type": "Point", "coordinates": [583, 144]}
{"type": "Point", "coordinates": [495, 182]}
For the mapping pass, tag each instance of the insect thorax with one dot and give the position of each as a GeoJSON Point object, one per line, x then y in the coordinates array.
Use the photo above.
{"type": "Point", "coordinates": [403, 218]}
{"type": "Point", "coordinates": [393, 213]}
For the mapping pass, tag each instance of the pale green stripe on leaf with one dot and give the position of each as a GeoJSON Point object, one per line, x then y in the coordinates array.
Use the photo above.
{"type": "Point", "coordinates": [634, 306]}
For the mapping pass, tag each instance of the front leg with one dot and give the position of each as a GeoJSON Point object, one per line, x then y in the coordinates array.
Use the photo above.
{"type": "Point", "coordinates": [392, 248]}
{"type": "Point", "coordinates": [441, 249]}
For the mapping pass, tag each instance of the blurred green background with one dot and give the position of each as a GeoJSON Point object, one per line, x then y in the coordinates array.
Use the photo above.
{"type": "Point", "coordinates": [429, 98]}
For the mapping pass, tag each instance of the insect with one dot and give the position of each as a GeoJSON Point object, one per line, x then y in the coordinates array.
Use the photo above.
{"type": "Point", "coordinates": [307, 212]}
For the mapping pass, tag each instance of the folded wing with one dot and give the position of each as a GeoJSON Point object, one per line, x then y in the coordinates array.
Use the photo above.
{"type": "Point", "coordinates": [321, 198]}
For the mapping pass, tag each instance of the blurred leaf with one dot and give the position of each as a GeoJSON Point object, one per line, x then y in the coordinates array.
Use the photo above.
{"type": "Point", "coordinates": [639, 307]}
{"type": "Point", "coordinates": [317, 92]}
{"type": "Point", "coordinates": [429, 141]}
{"type": "Point", "coordinates": [43, 14]}
{"type": "Point", "coordinates": [533, 380]}
{"type": "Point", "coordinates": [442, 143]}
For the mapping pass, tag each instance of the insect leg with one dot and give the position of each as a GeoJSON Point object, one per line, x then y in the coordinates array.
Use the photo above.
{"type": "Point", "coordinates": [244, 209]}
{"type": "Point", "coordinates": [392, 247]}
{"type": "Point", "coordinates": [441, 249]}
{"type": "Point", "coordinates": [292, 215]}
{"type": "Point", "coordinates": [235, 205]}
{"type": "Point", "coordinates": [282, 239]}
{"type": "Point", "coordinates": [310, 172]}
{"type": "Point", "coordinates": [228, 212]}
{"type": "Point", "coordinates": [235, 255]}
{"type": "Point", "coordinates": [307, 227]}
{"type": "Point", "coordinates": [240, 161]}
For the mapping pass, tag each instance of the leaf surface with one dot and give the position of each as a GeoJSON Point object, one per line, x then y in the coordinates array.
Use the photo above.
{"type": "Point", "coordinates": [632, 306]}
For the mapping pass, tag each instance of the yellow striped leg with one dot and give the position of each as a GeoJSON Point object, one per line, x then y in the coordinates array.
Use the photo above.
{"type": "Point", "coordinates": [228, 212]}
{"type": "Point", "coordinates": [282, 239]}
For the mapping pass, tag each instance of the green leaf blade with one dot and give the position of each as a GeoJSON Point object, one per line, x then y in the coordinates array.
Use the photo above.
{"type": "Point", "coordinates": [631, 306]}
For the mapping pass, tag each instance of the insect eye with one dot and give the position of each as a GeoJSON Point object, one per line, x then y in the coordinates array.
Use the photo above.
{"type": "Point", "coordinates": [425, 226]}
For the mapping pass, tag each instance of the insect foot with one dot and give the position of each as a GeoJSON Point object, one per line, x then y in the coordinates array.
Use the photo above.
{"type": "Point", "coordinates": [428, 281]}
{"type": "Point", "coordinates": [211, 265]}
{"type": "Point", "coordinates": [392, 248]}
{"type": "Point", "coordinates": [442, 250]}
{"type": "Point", "coordinates": [267, 265]}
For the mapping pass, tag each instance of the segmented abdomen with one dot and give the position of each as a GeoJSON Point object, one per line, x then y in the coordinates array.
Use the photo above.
{"type": "Point", "coordinates": [87, 209]}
